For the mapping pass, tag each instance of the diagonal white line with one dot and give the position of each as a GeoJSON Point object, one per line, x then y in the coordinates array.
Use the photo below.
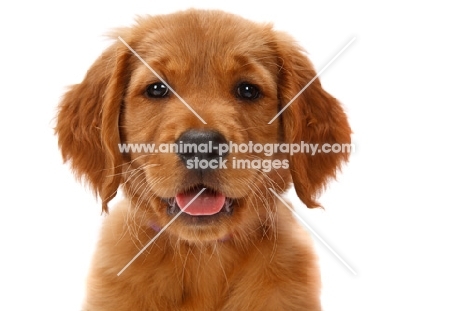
{"type": "Point", "coordinates": [159, 233]}
{"type": "Point", "coordinates": [313, 79]}
{"type": "Point", "coordinates": [314, 233]}
{"type": "Point", "coordinates": [162, 80]}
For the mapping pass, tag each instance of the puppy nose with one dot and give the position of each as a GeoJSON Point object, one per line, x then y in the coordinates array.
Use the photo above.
{"type": "Point", "coordinates": [201, 145]}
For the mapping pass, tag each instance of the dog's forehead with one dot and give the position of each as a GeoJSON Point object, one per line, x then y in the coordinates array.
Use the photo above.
{"type": "Point", "coordinates": [196, 37]}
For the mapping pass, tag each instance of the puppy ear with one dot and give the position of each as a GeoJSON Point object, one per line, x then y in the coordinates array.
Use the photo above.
{"type": "Point", "coordinates": [88, 124]}
{"type": "Point", "coordinates": [314, 117]}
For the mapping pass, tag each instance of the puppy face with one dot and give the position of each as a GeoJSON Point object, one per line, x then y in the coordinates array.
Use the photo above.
{"type": "Point", "coordinates": [235, 75]}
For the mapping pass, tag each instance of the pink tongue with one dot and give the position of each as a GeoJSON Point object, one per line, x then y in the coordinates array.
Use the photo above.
{"type": "Point", "coordinates": [207, 203]}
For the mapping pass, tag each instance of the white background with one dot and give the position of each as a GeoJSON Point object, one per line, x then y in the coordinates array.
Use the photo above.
{"type": "Point", "coordinates": [397, 214]}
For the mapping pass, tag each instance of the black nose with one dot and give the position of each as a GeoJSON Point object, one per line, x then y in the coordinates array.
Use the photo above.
{"type": "Point", "coordinates": [201, 147]}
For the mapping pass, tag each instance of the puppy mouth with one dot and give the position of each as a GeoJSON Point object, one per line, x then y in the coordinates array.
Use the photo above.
{"type": "Point", "coordinates": [197, 203]}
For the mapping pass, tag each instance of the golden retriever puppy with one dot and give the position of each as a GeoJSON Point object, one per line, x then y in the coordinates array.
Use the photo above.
{"type": "Point", "coordinates": [225, 240]}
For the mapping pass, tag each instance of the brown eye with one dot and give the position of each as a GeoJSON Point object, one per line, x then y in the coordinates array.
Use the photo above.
{"type": "Point", "coordinates": [247, 91]}
{"type": "Point", "coordinates": [157, 90]}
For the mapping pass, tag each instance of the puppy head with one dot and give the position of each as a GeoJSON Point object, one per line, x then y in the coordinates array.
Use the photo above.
{"type": "Point", "coordinates": [207, 77]}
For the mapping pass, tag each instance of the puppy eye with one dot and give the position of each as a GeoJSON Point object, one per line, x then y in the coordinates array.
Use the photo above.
{"type": "Point", "coordinates": [157, 90]}
{"type": "Point", "coordinates": [248, 91]}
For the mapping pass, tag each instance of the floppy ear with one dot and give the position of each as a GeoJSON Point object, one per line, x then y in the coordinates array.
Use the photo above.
{"type": "Point", "coordinates": [315, 117]}
{"type": "Point", "coordinates": [88, 124]}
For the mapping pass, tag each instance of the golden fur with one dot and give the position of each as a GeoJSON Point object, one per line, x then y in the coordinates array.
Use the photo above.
{"type": "Point", "coordinates": [258, 258]}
